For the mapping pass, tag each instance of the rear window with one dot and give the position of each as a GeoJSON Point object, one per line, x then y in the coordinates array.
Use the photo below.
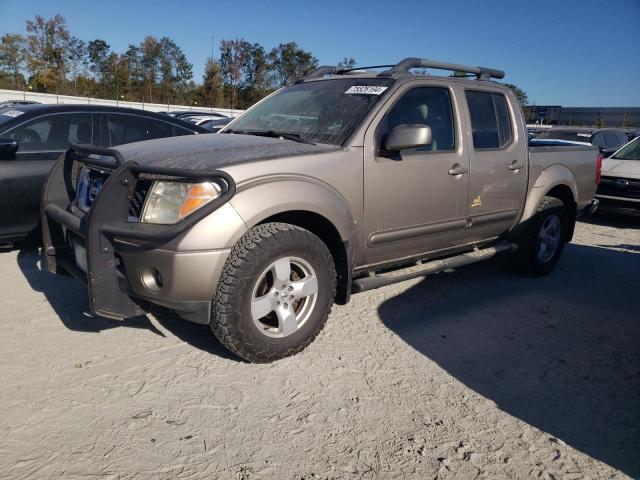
{"type": "Point", "coordinates": [490, 120]}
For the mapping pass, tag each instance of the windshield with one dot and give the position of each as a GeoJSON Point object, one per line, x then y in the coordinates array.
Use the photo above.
{"type": "Point", "coordinates": [631, 151]}
{"type": "Point", "coordinates": [583, 137]}
{"type": "Point", "coordinates": [326, 111]}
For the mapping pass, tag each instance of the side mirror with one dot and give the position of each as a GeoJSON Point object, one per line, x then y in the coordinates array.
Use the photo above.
{"type": "Point", "coordinates": [8, 146]}
{"type": "Point", "coordinates": [408, 136]}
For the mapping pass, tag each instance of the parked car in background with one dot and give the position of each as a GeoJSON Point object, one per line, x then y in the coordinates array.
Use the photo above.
{"type": "Point", "coordinates": [620, 182]}
{"type": "Point", "coordinates": [197, 117]}
{"type": "Point", "coordinates": [33, 136]}
{"type": "Point", "coordinates": [608, 140]}
{"type": "Point", "coordinates": [214, 125]}
{"type": "Point", "coordinates": [346, 182]}
{"type": "Point", "coordinates": [632, 133]}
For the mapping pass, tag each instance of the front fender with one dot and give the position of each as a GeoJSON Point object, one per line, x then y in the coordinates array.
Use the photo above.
{"type": "Point", "coordinates": [259, 199]}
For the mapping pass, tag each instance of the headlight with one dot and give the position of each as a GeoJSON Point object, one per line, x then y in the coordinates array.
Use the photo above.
{"type": "Point", "coordinates": [169, 202]}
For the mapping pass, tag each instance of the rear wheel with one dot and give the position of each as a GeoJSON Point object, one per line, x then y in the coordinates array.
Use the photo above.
{"type": "Point", "coordinates": [275, 292]}
{"type": "Point", "coordinates": [543, 240]}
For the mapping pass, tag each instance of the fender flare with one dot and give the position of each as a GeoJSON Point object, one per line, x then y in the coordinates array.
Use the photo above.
{"type": "Point", "coordinates": [551, 177]}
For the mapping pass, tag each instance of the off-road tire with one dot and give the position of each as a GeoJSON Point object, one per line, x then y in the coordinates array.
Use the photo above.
{"type": "Point", "coordinates": [231, 320]}
{"type": "Point", "coordinates": [527, 260]}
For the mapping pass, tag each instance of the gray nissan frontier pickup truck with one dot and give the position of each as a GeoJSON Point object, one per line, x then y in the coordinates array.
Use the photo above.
{"type": "Point", "coordinates": [345, 181]}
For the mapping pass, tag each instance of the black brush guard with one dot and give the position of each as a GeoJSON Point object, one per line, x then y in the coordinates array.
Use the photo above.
{"type": "Point", "coordinates": [105, 229]}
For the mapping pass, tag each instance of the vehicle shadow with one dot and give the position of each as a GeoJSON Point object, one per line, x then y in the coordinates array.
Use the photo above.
{"type": "Point", "coordinates": [561, 353]}
{"type": "Point", "coordinates": [68, 298]}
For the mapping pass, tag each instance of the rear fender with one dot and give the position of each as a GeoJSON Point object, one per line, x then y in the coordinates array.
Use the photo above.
{"type": "Point", "coordinates": [551, 177]}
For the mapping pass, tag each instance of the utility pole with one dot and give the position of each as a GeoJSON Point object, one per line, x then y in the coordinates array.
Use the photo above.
{"type": "Point", "coordinates": [211, 102]}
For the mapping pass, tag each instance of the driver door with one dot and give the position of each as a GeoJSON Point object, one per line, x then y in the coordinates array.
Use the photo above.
{"type": "Point", "coordinates": [415, 200]}
{"type": "Point", "coordinates": [41, 142]}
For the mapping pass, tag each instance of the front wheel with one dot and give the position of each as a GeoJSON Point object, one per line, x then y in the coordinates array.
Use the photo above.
{"type": "Point", "coordinates": [543, 240]}
{"type": "Point", "coordinates": [275, 292]}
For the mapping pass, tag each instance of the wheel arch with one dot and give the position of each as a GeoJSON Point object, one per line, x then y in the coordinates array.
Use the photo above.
{"type": "Point", "coordinates": [308, 203]}
{"type": "Point", "coordinates": [562, 192]}
{"type": "Point", "coordinates": [556, 181]}
{"type": "Point", "coordinates": [324, 229]}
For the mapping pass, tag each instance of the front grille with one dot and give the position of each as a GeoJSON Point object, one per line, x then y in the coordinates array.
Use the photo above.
{"type": "Point", "coordinates": [88, 182]}
{"type": "Point", "coordinates": [619, 187]}
{"type": "Point", "coordinates": [139, 196]}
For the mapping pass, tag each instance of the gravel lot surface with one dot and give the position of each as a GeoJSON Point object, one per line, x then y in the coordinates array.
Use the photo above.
{"type": "Point", "coordinates": [474, 374]}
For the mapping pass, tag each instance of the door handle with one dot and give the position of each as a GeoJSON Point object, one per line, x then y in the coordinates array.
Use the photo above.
{"type": "Point", "coordinates": [515, 165]}
{"type": "Point", "coordinates": [457, 170]}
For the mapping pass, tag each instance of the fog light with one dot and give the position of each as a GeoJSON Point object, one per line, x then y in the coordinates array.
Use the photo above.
{"type": "Point", "coordinates": [152, 279]}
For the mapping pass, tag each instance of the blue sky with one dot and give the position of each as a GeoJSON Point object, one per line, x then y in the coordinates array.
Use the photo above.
{"type": "Point", "coordinates": [562, 52]}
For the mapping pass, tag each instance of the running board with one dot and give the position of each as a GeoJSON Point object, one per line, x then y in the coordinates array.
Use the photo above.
{"type": "Point", "coordinates": [428, 268]}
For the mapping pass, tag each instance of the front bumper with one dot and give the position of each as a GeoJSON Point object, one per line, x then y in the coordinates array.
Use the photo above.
{"type": "Point", "coordinates": [619, 202]}
{"type": "Point", "coordinates": [619, 192]}
{"type": "Point", "coordinates": [181, 281]}
{"type": "Point", "coordinates": [126, 266]}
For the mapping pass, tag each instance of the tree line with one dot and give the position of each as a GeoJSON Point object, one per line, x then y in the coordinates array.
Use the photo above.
{"type": "Point", "coordinates": [50, 59]}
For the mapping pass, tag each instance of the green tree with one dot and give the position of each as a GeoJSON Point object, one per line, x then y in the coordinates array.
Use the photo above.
{"type": "Point", "coordinates": [12, 57]}
{"type": "Point", "coordinates": [149, 61]}
{"type": "Point", "coordinates": [211, 90]}
{"type": "Point", "coordinates": [346, 63]}
{"type": "Point", "coordinates": [78, 60]}
{"type": "Point", "coordinates": [289, 63]}
{"type": "Point", "coordinates": [519, 93]}
{"type": "Point", "coordinates": [233, 56]}
{"type": "Point", "coordinates": [46, 51]}
{"type": "Point", "coordinates": [98, 52]}
{"type": "Point", "coordinates": [175, 70]}
{"type": "Point", "coordinates": [256, 81]}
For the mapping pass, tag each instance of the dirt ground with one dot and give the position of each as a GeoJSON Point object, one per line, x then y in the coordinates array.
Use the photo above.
{"type": "Point", "coordinates": [474, 374]}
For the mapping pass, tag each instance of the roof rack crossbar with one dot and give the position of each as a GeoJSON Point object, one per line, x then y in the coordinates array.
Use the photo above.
{"type": "Point", "coordinates": [483, 73]}
{"type": "Point", "coordinates": [319, 73]}
{"type": "Point", "coordinates": [355, 69]}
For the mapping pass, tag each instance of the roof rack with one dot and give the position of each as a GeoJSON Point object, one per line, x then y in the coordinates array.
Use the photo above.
{"type": "Point", "coordinates": [403, 67]}
{"type": "Point", "coordinates": [483, 73]}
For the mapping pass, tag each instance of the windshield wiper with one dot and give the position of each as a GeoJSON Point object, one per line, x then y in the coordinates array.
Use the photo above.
{"type": "Point", "coordinates": [294, 137]}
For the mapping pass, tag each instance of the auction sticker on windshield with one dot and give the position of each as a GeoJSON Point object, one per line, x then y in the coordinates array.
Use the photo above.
{"type": "Point", "coordinates": [365, 90]}
{"type": "Point", "coordinates": [12, 113]}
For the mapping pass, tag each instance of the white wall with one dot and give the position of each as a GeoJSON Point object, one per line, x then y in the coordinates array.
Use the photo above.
{"type": "Point", "coordinates": [153, 107]}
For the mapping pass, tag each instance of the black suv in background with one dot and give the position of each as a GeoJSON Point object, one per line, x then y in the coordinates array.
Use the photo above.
{"type": "Point", "coordinates": [608, 140]}
{"type": "Point", "coordinates": [32, 137]}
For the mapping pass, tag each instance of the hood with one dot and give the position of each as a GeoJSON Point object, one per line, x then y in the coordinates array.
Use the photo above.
{"type": "Point", "coordinates": [612, 167]}
{"type": "Point", "coordinates": [214, 150]}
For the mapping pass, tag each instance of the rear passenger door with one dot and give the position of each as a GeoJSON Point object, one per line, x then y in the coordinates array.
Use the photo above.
{"type": "Point", "coordinates": [498, 164]}
{"type": "Point", "coordinates": [121, 128]}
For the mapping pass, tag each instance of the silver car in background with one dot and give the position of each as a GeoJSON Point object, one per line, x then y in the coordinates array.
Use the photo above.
{"type": "Point", "coordinates": [620, 182]}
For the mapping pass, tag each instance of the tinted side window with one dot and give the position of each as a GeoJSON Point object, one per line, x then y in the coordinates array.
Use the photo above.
{"type": "Point", "coordinates": [490, 120]}
{"type": "Point", "coordinates": [427, 106]}
{"type": "Point", "coordinates": [53, 132]}
{"type": "Point", "coordinates": [598, 140]}
{"type": "Point", "coordinates": [181, 131]}
{"type": "Point", "coordinates": [611, 140]}
{"type": "Point", "coordinates": [133, 128]}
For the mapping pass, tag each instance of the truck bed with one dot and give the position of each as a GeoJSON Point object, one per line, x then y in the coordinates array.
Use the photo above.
{"type": "Point", "coordinates": [579, 159]}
